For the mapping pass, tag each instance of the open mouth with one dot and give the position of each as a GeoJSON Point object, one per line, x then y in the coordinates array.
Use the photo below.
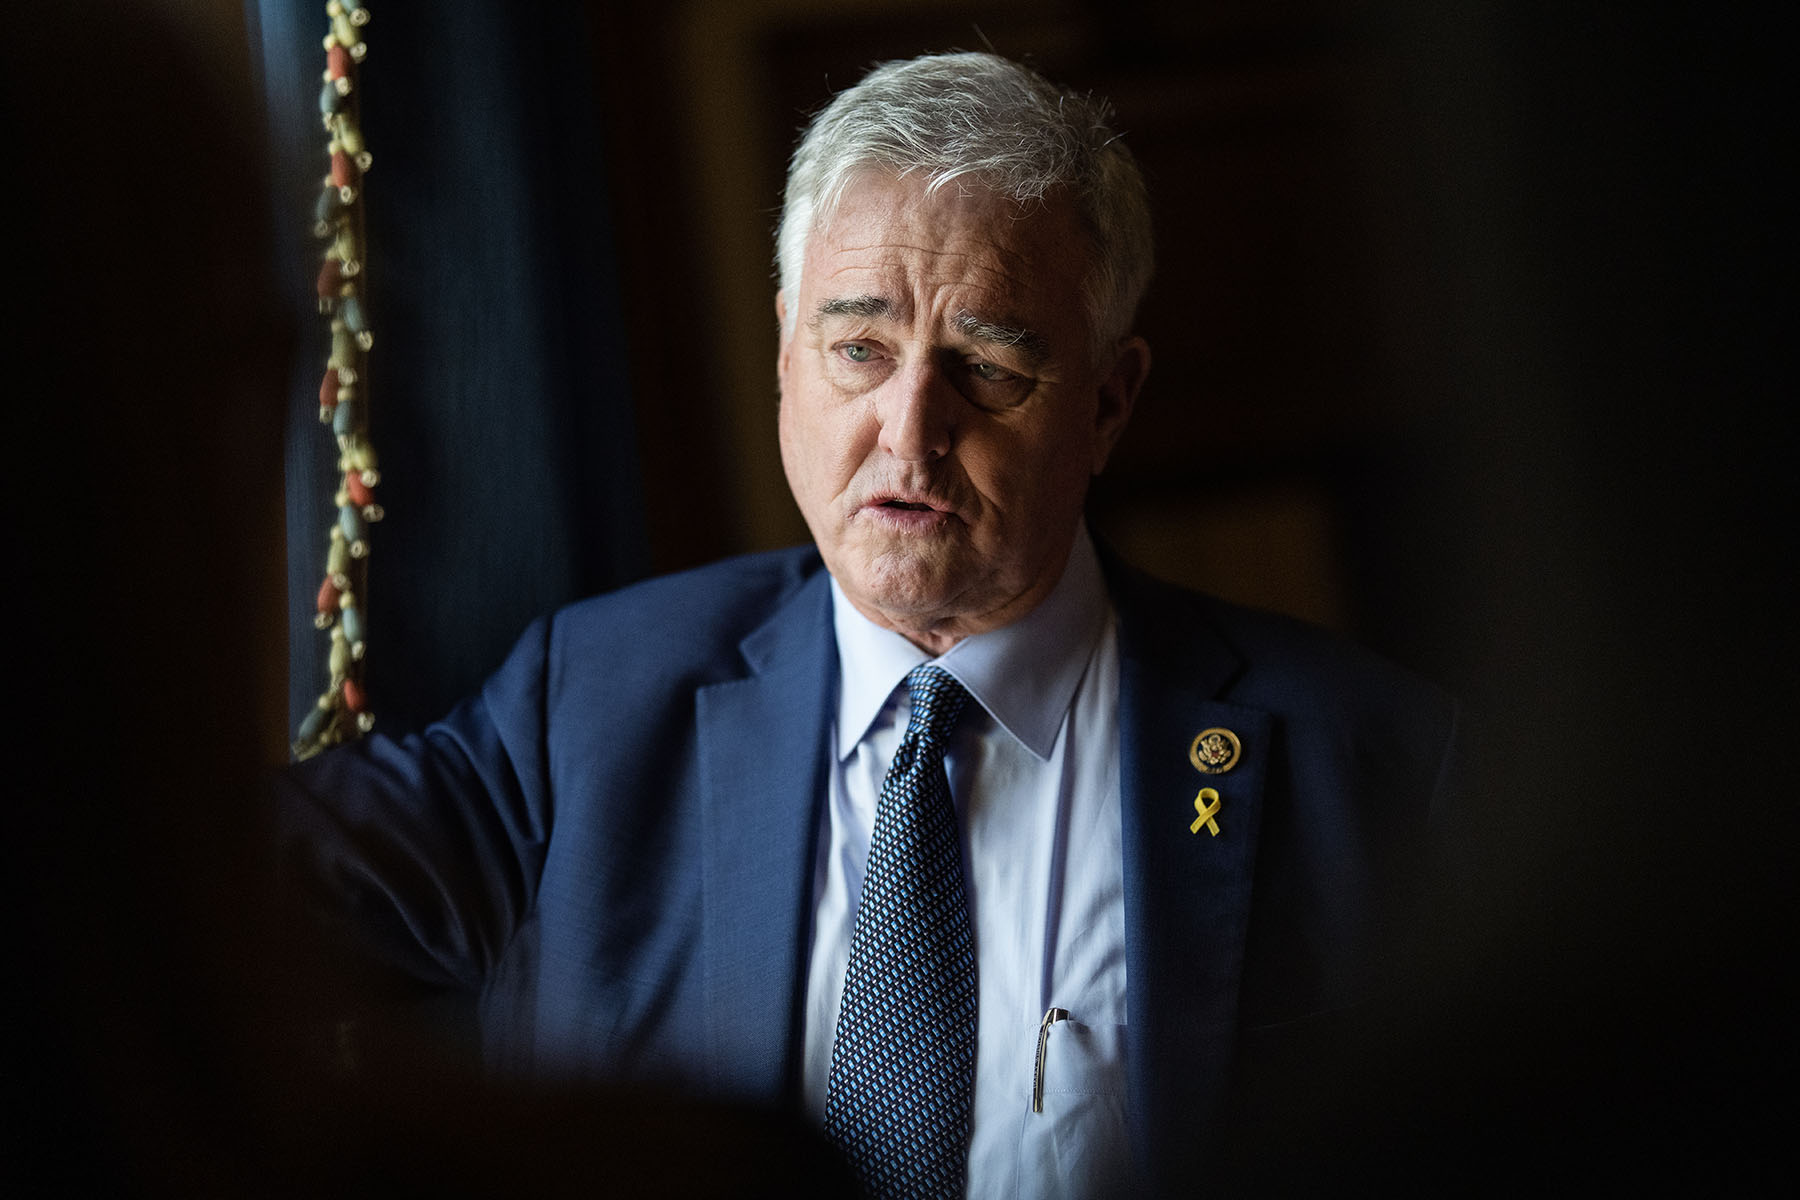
{"type": "Point", "coordinates": [900, 513]}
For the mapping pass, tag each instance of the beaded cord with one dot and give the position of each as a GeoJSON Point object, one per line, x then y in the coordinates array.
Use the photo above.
{"type": "Point", "coordinates": [342, 713]}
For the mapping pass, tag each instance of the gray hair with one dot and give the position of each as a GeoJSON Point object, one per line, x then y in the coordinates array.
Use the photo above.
{"type": "Point", "coordinates": [979, 115]}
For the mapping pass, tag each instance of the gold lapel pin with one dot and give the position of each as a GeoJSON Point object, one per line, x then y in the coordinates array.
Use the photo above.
{"type": "Point", "coordinates": [1207, 805]}
{"type": "Point", "coordinates": [1215, 751]}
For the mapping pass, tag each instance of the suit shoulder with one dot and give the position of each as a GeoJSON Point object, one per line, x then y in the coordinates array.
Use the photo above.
{"type": "Point", "coordinates": [1283, 661]}
{"type": "Point", "coordinates": [694, 613]}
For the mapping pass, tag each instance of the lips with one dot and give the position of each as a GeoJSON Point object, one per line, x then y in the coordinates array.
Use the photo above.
{"type": "Point", "coordinates": [909, 509]}
{"type": "Point", "coordinates": [909, 501]}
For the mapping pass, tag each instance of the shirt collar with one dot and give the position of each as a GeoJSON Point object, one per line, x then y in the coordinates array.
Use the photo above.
{"type": "Point", "coordinates": [1024, 674]}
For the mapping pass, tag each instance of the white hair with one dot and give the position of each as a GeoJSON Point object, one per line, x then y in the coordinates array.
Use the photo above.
{"type": "Point", "coordinates": [950, 116]}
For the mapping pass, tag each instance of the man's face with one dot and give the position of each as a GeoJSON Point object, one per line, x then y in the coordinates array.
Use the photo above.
{"type": "Point", "coordinates": [941, 409]}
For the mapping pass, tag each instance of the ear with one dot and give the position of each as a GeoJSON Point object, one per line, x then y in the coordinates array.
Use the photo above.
{"type": "Point", "coordinates": [1118, 395]}
{"type": "Point", "coordinates": [784, 344]}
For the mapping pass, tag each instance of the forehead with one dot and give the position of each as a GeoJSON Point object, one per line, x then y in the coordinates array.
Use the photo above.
{"type": "Point", "coordinates": [962, 244]}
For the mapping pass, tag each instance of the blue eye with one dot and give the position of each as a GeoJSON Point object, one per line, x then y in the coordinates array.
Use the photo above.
{"type": "Point", "coordinates": [856, 352]}
{"type": "Point", "coordinates": [989, 373]}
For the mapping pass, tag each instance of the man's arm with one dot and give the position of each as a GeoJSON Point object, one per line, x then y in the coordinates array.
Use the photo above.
{"type": "Point", "coordinates": [424, 854]}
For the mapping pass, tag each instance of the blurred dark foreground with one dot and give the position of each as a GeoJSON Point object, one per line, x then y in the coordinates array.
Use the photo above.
{"type": "Point", "coordinates": [172, 1037]}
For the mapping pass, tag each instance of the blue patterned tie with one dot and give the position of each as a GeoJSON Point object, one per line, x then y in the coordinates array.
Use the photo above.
{"type": "Point", "coordinates": [903, 1067]}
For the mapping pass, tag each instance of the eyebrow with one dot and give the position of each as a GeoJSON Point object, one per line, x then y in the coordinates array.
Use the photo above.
{"type": "Point", "coordinates": [1032, 344]}
{"type": "Point", "coordinates": [854, 306]}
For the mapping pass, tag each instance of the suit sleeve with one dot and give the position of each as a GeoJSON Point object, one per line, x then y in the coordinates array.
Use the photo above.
{"type": "Point", "coordinates": [425, 853]}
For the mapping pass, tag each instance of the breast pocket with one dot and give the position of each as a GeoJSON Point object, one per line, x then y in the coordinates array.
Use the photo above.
{"type": "Point", "coordinates": [1073, 1140]}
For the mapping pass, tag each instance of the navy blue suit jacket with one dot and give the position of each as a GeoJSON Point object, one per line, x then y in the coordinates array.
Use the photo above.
{"type": "Point", "coordinates": [613, 843]}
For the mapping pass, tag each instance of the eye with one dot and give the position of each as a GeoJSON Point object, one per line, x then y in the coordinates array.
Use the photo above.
{"type": "Point", "coordinates": [992, 387]}
{"type": "Point", "coordinates": [856, 352]}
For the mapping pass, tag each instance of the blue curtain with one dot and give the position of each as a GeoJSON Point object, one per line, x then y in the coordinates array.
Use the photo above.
{"type": "Point", "coordinates": [496, 383]}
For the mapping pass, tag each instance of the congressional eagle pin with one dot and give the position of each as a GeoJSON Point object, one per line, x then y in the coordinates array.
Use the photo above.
{"type": "Point", "coordinates": [1215, 751]}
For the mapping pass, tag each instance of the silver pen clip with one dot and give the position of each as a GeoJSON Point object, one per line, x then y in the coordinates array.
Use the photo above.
{"type": "Point", "coordinates": [1051, 1016]}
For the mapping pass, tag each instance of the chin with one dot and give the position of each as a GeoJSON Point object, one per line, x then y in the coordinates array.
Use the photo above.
{"type": "Point", "coordinates": [908, 583]}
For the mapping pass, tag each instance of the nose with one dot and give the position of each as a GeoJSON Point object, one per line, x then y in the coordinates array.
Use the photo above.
{"type": "Point", "coordinates": [917, 408]}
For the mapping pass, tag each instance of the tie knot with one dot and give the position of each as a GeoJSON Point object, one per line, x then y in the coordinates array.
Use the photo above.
{"type": "Point", "coordinates": [937, 700]}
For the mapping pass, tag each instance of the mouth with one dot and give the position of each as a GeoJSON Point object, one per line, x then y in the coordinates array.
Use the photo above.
{"type": "Point", "coordinates": [908, 511]}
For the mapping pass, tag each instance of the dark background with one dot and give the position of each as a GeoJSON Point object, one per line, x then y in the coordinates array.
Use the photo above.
{"type": "Point", "coordinates": [1470, 343]}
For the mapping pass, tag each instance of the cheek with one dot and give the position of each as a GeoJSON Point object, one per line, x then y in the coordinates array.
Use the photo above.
{"type": "Point", "coordinates": [1033, 474]}
{"type": "Point", "coordinates": [1072, 453]}
{"type": "Point", "coordinates": [823, 443]}
{"type": "Point", "coordinates": [789, 438]}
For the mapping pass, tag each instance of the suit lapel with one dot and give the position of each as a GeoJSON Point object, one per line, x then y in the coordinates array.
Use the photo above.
{"type": "Point", "coordinates": [762, 745]}
{"type": "Point", "coordinates": [1187, 894]}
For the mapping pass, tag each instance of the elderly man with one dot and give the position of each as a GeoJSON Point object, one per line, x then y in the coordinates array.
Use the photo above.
{"type": "Point", "coordinates": [983, 850]}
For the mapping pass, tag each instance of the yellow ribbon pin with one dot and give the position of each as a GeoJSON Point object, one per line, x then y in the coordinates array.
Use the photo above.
{"type": "Point", "coordinates": [1207, 805]}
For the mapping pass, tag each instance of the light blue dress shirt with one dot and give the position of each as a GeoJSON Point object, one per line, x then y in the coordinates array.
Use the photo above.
{"type": "Point", "coordinates": [1034, 770]}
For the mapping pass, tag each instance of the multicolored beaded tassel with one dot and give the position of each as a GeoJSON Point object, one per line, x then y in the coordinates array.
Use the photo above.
{"type": "Point", "coordinates": [342, 713]}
